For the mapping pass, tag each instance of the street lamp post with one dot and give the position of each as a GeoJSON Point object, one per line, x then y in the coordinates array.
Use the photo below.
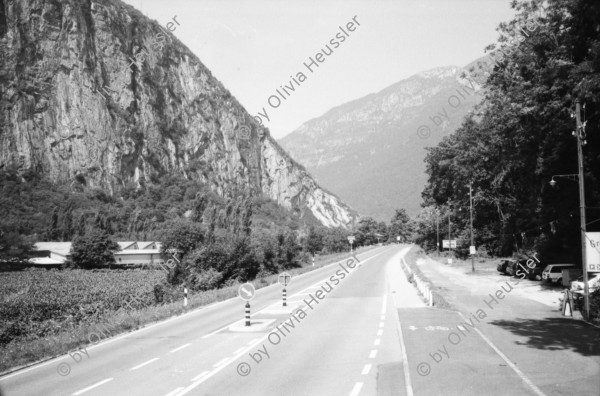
{"type": "Point", "coordinates": [449, 234]}
{"type": "Point", "coordinates": [578, 133]}
{"type": "Point", "coordinates": [579, 178]}
{"type": "Point", "coordinates": [437, 226]}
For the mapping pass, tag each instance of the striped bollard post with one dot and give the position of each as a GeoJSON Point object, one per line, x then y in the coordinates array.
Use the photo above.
{"type": "Point", "coordinates": [247, 313]}
{"type": "Point", "coordinates": [185, 296]}
{"type": "Point", "coordinates": [284, 298]}
{"type": "Point", "coordinates": [313, 261]}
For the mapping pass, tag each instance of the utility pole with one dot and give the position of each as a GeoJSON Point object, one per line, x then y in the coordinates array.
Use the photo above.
{"type": "Point", "coordinates": [449, 234]}
{"type": "Point", "coordinates": [471, 206]}
{"type": "Point", "coordinates": [578, 132]}
{"type": "Point", "coordinates": [437, 226]}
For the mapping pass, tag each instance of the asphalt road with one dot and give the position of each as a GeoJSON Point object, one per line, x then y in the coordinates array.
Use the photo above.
{"type": "Point", "coordinates": [348, 329]}
{"type": "Point", "coordinates": [192, 353]}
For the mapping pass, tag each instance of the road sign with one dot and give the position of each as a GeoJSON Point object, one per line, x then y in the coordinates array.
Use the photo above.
{"type": "Point", "coordinates": [398, 238]}
{"type": "Point", "coordinates": [452, 244]}
{"type": "Point", "coordinates": [246, 291]}
{"type": "Point", "coordinates": [285, 279]}
{"type": "Point", "coordinates": [592, 251]}
{"type": "Point", "coordinates": [351, 239]}
{"type": "Point", "coordinates": [472, 250]}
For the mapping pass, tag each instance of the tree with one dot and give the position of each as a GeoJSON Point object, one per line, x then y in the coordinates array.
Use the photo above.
{"type": "Point", "coordinates": [367, 228]}
{"type": "Point", "coordinates": [314, 240]}
{"type": "Point", "coordinates": [183, 236]}
{"type": "Point", "coordinates": [400, 225]}
{"type": "Point", "coordinates": [13, 247]}
{"type": "Point", "coordinates": [94, 249]}
{"type": "Point", "coordinates": [521, 135]}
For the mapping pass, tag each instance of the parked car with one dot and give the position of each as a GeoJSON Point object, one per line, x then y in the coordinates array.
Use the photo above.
{"type": "Point", "coordinates": [535, 273]}
{"type": "Point", "coordinates": [553, 272]}
{"type": "Point", "coordinates": [532, 273]}
{"type": "Point", "coordinates": [593, 283]}
{"type": "Point", "coordinates": [501, 267]}
{"type": "Point", "coordinates": [511, 268]}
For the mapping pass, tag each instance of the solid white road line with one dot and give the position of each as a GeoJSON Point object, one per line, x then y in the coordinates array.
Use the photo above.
{"type": "Point", "coordinates": [356, 389]}
{"type": "Point", "coordinates": [181, 347]}
{"type": "Point", "coordinates": [366, 369]}
{"type": "Point", "coordinates": [253, 341]}
{"type": "Point", "coordinates": [92, 387]}
{"type": "Point", "coordinates": [202, 374]}
{"type": "Point", "coordinates": [407, 381]}
{"type": "Point", "coordinates": [174, 392]}
{"type": "Point", "coordinates": [373, 354]}
{"type": "Point", "coordinates": [534, 388]}
{"type": "Point", "coordinates": [239, 350]}
{"type": "Point", "coordinates": [143, 364]}
{"type": "Point", "coordinates": [377, 341]}
{"type": "Point", "coordinates": [221, 362]}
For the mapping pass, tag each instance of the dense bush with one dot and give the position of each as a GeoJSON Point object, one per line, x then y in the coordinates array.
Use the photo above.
{"type": "Point", "coordinates": [94, 249]}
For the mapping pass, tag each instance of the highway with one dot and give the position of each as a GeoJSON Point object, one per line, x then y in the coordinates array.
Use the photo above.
{"type": "Point", "coordinates": [350, 328]}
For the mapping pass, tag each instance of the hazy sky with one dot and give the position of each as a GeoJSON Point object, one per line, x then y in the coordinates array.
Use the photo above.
{"type": "Point", "coordinates": [253, 47]}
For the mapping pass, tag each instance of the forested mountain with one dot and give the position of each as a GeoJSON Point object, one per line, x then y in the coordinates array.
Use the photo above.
{"type": "Point", "coordinates": [523, 135]}
{"type": "Point", "coordinates": [370, 151]}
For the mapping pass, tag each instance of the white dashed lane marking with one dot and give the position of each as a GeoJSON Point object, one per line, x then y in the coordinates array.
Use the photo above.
{"type": "Point", "coordinates": [174, 392]}
{"type": "Point", "coordinates": [202, 374]}
{"type": "Point", "coordinates": [366, 369]}
{"type": "Point", "coordinates": [92, 387]}
{"type": "Point", "coordinates": [356, 389]}
{"type": "Point", "coordinates": [143, 364]}
{"type": "Point", "coordinates": [180, 348]}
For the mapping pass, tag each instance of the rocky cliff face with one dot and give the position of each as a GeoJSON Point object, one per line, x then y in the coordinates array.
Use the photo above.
{"type": "Point", "coordinates": [95, 93]}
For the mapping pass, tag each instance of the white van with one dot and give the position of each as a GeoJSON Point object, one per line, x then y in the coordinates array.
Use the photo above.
{"type": "Point", "coordinates": [553, 272]}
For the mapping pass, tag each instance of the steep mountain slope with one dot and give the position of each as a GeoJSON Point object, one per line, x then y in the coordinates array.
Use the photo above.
{"type": "Point", "coordinates": [95, 93]}
{"type": "Point", "coordinates": [370, 151]}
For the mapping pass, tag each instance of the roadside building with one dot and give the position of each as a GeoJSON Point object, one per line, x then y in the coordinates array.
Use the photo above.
{"type": "Point", "coordinates": [131, 253]}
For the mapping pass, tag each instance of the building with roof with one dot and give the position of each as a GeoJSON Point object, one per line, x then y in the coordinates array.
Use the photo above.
{"type": "Point", "coordinates": [131, 253]}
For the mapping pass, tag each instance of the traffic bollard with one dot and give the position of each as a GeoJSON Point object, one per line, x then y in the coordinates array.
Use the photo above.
{"type": "Point", "coordinates": [247, 314]}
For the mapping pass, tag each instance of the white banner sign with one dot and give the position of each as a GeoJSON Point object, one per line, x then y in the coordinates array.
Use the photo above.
{"type": "Point", "coordinates": [447, 245]}
{"type": "Point", "coordinates": [592, 251]}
